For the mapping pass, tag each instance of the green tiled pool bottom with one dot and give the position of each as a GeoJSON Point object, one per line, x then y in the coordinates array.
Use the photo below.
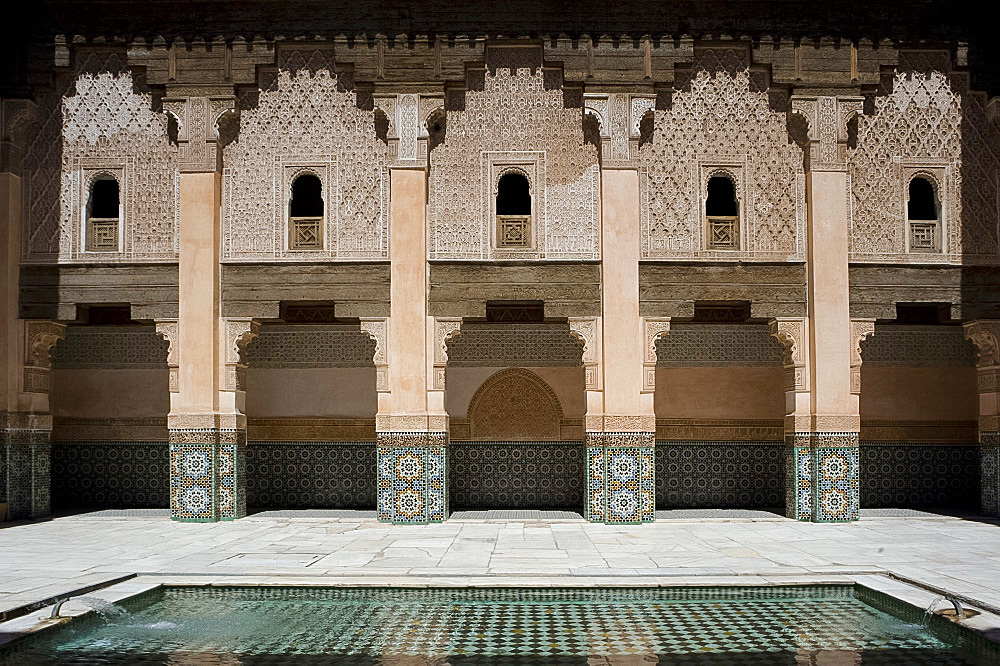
{"type": "Point", "coordinates": [731, 625]}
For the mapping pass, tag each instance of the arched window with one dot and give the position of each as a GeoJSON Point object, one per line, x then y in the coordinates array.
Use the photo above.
{"type": "Point", "coordinates": [722, 213]}
{"type": "Point", "coordinates": [923, 213]}
{"type": "Point", "coordinates": [305, 213]}
{"type": "Point", "coordinates": [103, 212]}
{"type": "Point", "coordinates": [513, 210]}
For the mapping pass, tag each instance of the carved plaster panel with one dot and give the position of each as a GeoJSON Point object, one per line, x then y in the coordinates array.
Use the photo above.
{"type": "Point", "coordinates": [985, 334]}
{"type": "Point", "coordinates": [719, 111]}
{"type": "Point", "coordinates": [861, 329]}
{"type": "Point", "coordinates": [111, 347]}
{"type": "Point", "coordinates": [515, 118]}
{"type": "Point", "coordinates": [445, 330]}
{"type": "Point", "coordinates": [719, 345]}
{"type": "Point", "coordinates": [313, 346]}
{"type": "Point", "coordinates": [515, 405]}
{"type": "Point", "coordinates": [100, 119]}
{"type": "Point", "coordinates": [926, 117]}
{"type": "Point", "coordinates": [168, 331]}
{"type": "Point", "coordinates": [514, 345]}
{"type": "Point", "coordinates": [916, 347]}
{"type": "Point", "coordinates": [378, 330]}
{"type": "Point", "coordinates": [303, 119]}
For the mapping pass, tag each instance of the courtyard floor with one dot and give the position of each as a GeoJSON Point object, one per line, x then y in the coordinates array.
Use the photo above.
{"type": "Point", "coordinates": [41, 560]}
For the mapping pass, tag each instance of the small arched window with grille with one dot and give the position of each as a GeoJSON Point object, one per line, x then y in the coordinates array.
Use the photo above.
{"type": "Point", "coordinates": [722, 213]}
{"type": "Point", "coordinates": [103, 214]}
{"type": "Point", "coordinates": [513, 210]}
{"type": "Point", "coordinates": [923, 216]}
{"type": "Point", "coordinates": [305, 213]}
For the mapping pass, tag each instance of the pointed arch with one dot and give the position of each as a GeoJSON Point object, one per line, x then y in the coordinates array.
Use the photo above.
{"type": "Point", "coordinates": [515, 405]}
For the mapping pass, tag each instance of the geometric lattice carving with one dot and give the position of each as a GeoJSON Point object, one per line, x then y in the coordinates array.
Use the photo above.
{"type": "Point", "coordinates": [310, 346]}
{"type": "Point", "coordinates": [514, 119]}
{"type": "Point", "coordinates": [515, 405]}
{"type": "Point", "coordinates": [721, 115]}
{"type": "Point", "coordinates": [925, 122]}
{"type": "Point", "coordinates": [98, 121]}
{"type": "Point", "coordinates": [918, 347]}
{"type": "Point", "coordinates": [514, 345]}
{"type": "Point", "coordinates": [718, 345]}
{"type": "Point", "coordinates": [110, 347]}
{"type": "Point", "coordinates": [304, 121]}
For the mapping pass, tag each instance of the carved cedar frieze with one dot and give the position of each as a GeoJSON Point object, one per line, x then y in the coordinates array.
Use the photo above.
{"type": "Point", "coordinates": [721, 120]}
{"type": "Point", "coordinates": [305, 121]}
{"type": "Point", "coordinates": [100, 122]}
{"type": "Point", "coordinates": [926, 122]}
{"type": "Point", "coordinates": [515, 122]}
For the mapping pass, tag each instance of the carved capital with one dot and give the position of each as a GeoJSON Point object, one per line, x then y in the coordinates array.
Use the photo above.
{"type": "Point", "coordinates": [860, 330]}
{"type": "Point", "coordinates": [377, 329]}
{"type": "Point", "coordinates": [15, 115]}
{"type": "Point", "coordinates": [829, 120]}
{"type": "Point", "coordinates": [198, 129]}
{"type": "Point", "coordinates": [39, 339]}
{"type": "Point", "coordinates": [653, 328]}
{"type": "Point", "coordinates": [792, 334]}
{"type": "Point", "coordinates": [445, 329]}
{"type": "Point", "coordinates": [588, 331]}
{"type": "Point", "coordinates": [985, 334]}
{"type": "Point", "coordinates": [167, 329]}
{"type": "Point", "coordinates": [239, 333]}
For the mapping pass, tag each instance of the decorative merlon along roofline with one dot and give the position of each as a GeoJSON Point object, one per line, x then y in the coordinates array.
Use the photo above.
{"type": "Point", "coordinates": [590, 38]}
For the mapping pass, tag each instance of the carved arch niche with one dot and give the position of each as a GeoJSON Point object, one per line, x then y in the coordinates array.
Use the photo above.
{"type": "Point", "coordinates": [515, 405]}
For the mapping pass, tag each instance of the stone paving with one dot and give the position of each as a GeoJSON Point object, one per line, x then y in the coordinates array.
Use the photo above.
{"type": "Point", "coordinates": [42, 559]}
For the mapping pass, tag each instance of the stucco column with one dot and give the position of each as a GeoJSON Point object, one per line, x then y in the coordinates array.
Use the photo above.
{"type": "Point", "coordinates": [207, 427]}
{"type": "Point", "coordinates": [823, 454]}
{"type": "Point", "coordinates": [985, 334]}
{"type": "Point", "coordinates": [411, 424]}
{"type": "Point", "coordinates": [620, 428]}
{"type": "Point", "coordinates": [25, 412]}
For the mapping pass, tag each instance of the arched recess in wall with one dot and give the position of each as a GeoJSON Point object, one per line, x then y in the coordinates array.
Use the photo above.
{"type": "Point", "coordinates": [514, 405]}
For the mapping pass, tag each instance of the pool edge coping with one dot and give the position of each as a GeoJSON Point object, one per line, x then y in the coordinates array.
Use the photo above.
{"type": "Point", "coordinates": [986, 624]}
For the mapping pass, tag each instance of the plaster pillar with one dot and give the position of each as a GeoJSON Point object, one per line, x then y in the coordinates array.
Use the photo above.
{"type": "Point", "coordinates": [823, 450]}
{"type": "Point", "coordinates": [411, 424]}
{"type": "Point", "coordinates": [620, 423]}
{"type": "Point", "coordinates": [207, 425]}
{"type": "Point", "coordinates": [25, 414]}
{"type": "Point", "coordinates": [985, 334]}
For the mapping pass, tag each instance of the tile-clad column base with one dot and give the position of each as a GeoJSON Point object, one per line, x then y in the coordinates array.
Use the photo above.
{"type": "Point", "coordinates": [25, 473]}
{"type": "Point", "coordinates": [620, 484]}
{"type": "Point", "coordinates": [207, 474]}
{"type": "Point", "coordinates": [989, 443]}
{"type": "Point", "coordinates": [412, 484]}
{"type": "Point", "coordinates": [822, 477]}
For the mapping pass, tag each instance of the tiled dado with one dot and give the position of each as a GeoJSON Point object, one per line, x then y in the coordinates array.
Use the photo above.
{"type": "Point", "coordinates": [412, 484]}
{"type": "Point", "coordinates": [25, 467]}
{"type": "Point", "coordinates": [719, 474]}
{"type": "Point", "coordinates": [207, 475]}
{"type": "Point", "coordinates": [928, 476]}
{"type": "Point", "coordinates": [311, 475]}
{"type": "Point", "coordinates": [990, 473]}
{"type": "Point", "coordinates": [516, 475]}
{"type": "Point", "coordinates": [110, 474]}
{"type": "Point", "coordinates": [620, 471]}
{"type": "Point", "coordinates": [821, 476]}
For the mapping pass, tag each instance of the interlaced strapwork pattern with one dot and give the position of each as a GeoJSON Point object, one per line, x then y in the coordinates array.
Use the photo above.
{"type": "Point", "coordinates": [925, 120]}
{"type": "Point", "coordinates": [304, 120]}
{"type": "Point", "coordinates": [99, 121]}
{"type": "Point", "coordinates": [722, 117]}
{"type": "Point", "coordinates": [517, 116]}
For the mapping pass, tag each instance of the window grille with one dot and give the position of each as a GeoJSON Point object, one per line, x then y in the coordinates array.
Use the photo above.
{"type": "Point", "coordinates": [513, 231]}
{"type": "Point", "coordinates": [723, 232]}
{"type": "Point", "coordinates": [307, 233]}
{"type": "Point", "coordinates": [925, 236]}
{"type": "Point", "coordinates": [102, 234]}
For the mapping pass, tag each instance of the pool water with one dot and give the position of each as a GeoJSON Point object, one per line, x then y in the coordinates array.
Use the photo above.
{"type": "Point", "coordinates": [774, 625]}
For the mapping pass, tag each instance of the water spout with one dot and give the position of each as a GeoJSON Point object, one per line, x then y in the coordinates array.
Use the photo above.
{"type": "Point", "coordinates": [959, 609]}
{"type": "Point", "coordinates": [105, 608]}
